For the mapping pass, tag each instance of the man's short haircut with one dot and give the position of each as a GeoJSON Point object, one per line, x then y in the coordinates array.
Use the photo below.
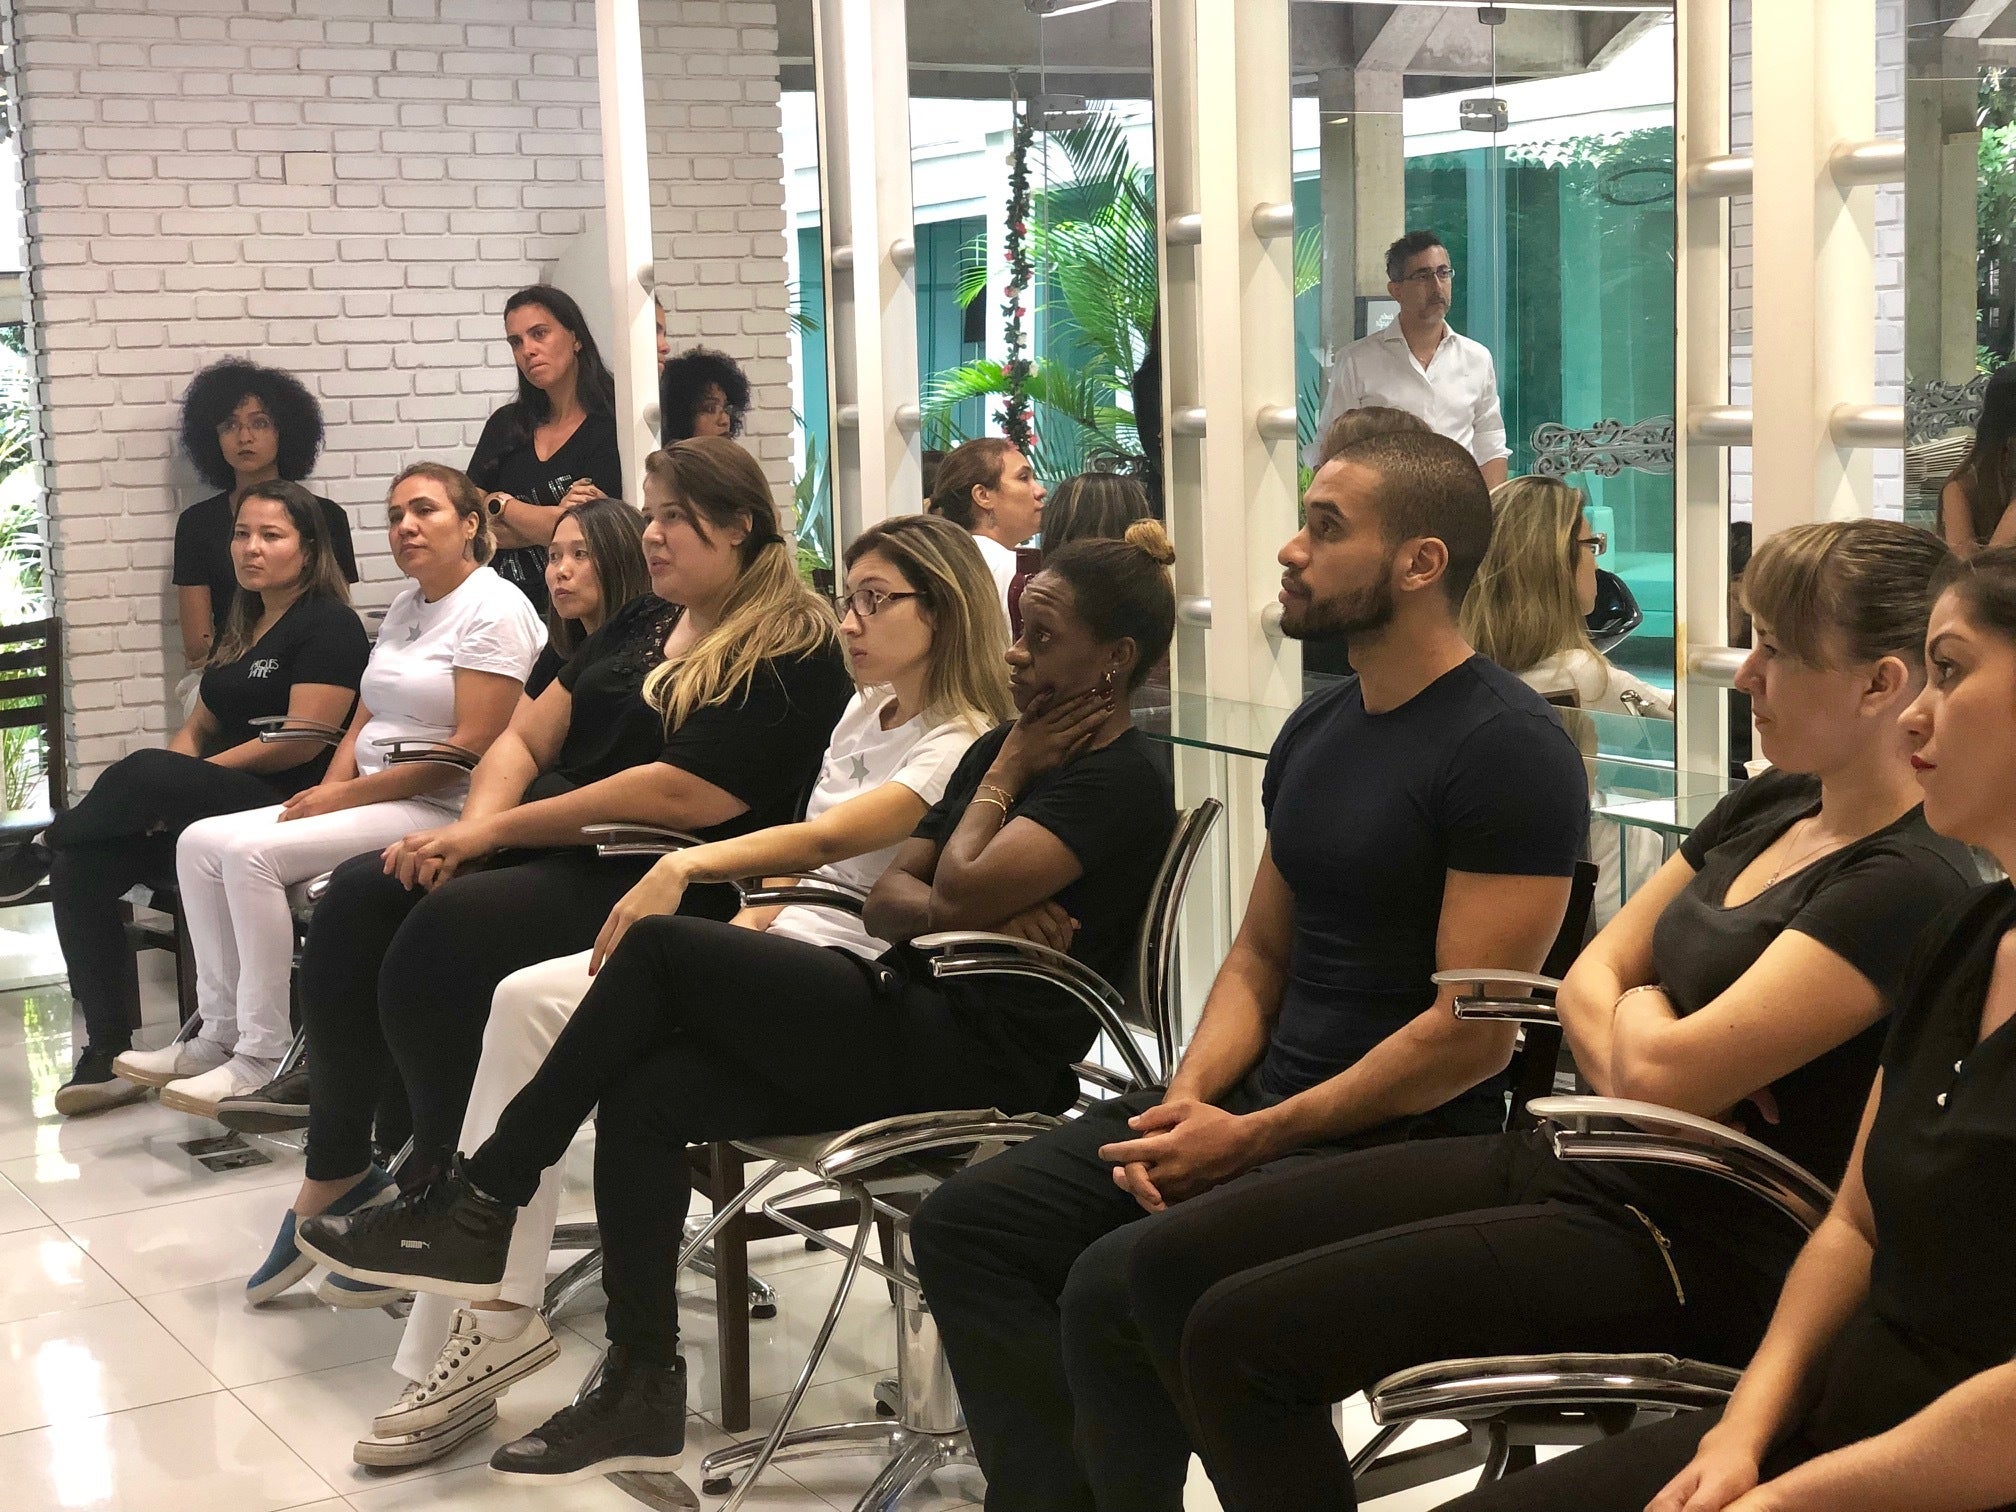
{"type": "Point", "coordinates": [1412, 245]}
{"type": "Point", "coordinates": [1429, 486]}
{"type": "Point", "coordinates": [1368, 420]}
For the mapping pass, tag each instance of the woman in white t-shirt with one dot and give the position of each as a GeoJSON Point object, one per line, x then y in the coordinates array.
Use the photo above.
{"type": "Point", "coordinates": [988, 488]}
{"type": "Point", "coordinates": [449, 665]}
{"type": "Point", "coordinates": [1528, 611]}
{"type": "Point", "coordinates": [928, 652]}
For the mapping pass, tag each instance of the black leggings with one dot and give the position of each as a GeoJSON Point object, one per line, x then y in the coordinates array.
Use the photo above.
{"type": "Point", "coordinates": [1283, 1295]}
{"type": "Point", "coordinates": [696, 1031]}
{"type": "Point", "coordinates": [398, 979]}
{"type": "Point", "coordinates": [119, 835]}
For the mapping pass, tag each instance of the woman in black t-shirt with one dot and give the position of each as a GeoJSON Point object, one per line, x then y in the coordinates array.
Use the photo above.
{"type": "Point", "coordinates": [1885, 1380]}
{"type": "Point", "coordinates": [594, 566]}
{"type": "Point", "coordinates": [1051, 828]}
{"type": "Point", "coordinates": [553, 445]}
{"type": "Point", "coordinates": [1747, 981]}
{"type": "Point", "coordinates": [241, 424]}
{"type": "Point", "coordinates": [292, 646]}
{"type": "Point", "coordinates": [705, 706]}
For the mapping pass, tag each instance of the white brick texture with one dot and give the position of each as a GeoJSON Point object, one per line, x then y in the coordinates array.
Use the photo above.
{"type": "Point", "coordinates": [348, 189]}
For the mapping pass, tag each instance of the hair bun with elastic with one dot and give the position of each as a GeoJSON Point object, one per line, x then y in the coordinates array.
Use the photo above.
{"type": "Point", "coordinates": [1149, 537]}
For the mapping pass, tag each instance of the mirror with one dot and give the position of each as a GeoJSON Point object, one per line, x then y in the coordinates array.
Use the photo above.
{"type": "Point", "coordinates": [805, 287]}
{"type": "Point", "coordinates": [1959, 113]}
{"type": "Point", "coordinates": [1536, 142]}
{"type": "Point", "coordinates": [1032, 181]}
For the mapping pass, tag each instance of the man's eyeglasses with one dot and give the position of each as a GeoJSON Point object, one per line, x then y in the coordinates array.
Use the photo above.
{"type": "Point", "coordinates": [1595, 545]}
{"type": "Point", "coordinates": [1427, 276]}
{"type": "Point", "coordinates": [865, 602]}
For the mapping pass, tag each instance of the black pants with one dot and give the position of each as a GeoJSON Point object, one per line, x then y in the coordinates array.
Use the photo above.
{"type": "Point", "coordinates": [1278, 1297]}
{"type": "Point", "coordinates": [120, 834]}
{"type": "Point", "coordinates": [398, 981]}
{"type": "Point", "coordinates": [696, 1031]}
{"type": "Point", "coordinates": [1024, 1259]}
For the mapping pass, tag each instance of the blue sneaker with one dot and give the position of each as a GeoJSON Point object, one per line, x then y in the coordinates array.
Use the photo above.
{"type": "Point", "coordinates": [347, 1291]}
{"type": "Point", "coordinates": [285, 1264]}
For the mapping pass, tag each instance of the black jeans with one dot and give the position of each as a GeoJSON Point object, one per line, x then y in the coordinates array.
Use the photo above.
{"type": "Point", "coordinates": [119, 835]}
{"type": "Point", "coordinates": [696, 1031]}
{"type": "Point", "coordinates": [1025, 1260]}
{"type": "Point", "coordinates": [1277, 1297]}
{"type": "Point", "coordinates": [400, 980]}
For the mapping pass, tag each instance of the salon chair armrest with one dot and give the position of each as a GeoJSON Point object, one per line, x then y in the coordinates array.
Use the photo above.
{"type": "Point", "coordinates": [638, 839]}
{"type": "Point", "coordinates": [1619, 1130]}
{"type": "Point", "coordinates": [439, 752]}
{"type": "Point", "coordinates": [275, 728]}
{"type": "Point", "coordinates": [1537, 1009]}
{"type": "Point", "coordinates": [803, 889]}
{"type": "Point", "coordinates": [1465, 1390]}
{"type": "Point", "coordinates": [984, 953]}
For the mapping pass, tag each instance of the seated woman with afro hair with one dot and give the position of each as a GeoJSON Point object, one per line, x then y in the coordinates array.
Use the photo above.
{"type": "Point", "coordinates": [701, 392]}
{"type": "Point", "coordinates": [242, 424]}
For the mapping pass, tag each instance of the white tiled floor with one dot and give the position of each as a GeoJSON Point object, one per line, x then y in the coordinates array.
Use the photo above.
{"type": "Point", "coordinates": [133, 1376]}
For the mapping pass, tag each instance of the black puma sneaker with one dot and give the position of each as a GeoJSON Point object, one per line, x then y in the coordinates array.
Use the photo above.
{"type": "Point", "coordinates": [280, 1105]}
{"type": "Point", "coordinates": [447, 1238]}
{"type": "Point", "coordinates": [633, 1419]}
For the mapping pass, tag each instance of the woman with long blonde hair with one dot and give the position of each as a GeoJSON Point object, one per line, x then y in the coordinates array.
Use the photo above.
{"type": "Point", "coordinates": [927, 648]}
{"type": "Point", "coordinates": [1529, 607]}
{"type": "Point", "coordinates": [704, 706]}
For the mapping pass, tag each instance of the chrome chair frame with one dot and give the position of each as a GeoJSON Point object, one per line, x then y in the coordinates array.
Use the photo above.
{"type": "Point", "coordinates": [1510, 1404]}
{"type": "Point", "coordinates": [887, 1166]}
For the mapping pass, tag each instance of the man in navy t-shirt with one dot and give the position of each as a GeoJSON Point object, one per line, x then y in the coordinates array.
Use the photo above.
{"type": "Point", "coordinates": [1424, 814]}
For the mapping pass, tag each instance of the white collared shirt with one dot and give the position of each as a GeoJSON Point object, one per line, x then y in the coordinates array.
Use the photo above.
{"type": "Point", "coordinates": [1456, 393]}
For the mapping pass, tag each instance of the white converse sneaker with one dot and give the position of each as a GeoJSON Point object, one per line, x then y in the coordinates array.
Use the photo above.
{"type": "Point", "coordinates": [474, 1366]}
{"type": "Point", "coordinates": [157, 1068]}
{"type": "Point", "coordinates": [397, 1451]}
{"type": "Point", "coordinates": [201, 1094]}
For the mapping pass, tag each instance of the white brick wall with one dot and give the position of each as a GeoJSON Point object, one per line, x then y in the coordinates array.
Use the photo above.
{"type": "Point", "coordinates": [348, 189]}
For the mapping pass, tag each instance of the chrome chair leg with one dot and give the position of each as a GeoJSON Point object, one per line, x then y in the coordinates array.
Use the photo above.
{"type": "Point", "coordinates": [296, 1052]}
{"type": "Point", "coordinates": [762, 1295]}
{"type": "Point", "coordinates": [586, 1271]}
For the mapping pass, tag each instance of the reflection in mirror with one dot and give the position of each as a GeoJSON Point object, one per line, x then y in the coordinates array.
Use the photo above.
{"type": "Point", "coordinates": [1536, 144]}
{"type": "Point", "coordinates": [1034, 210]}
{"type": "Point", "coordinates": [1960, 248]}
{"type": "Point", "coordinates": [805, 261]}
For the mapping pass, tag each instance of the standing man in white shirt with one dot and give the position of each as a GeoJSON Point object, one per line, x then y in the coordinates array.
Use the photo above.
{"type": "Point", "coordinates": [1419, 365]}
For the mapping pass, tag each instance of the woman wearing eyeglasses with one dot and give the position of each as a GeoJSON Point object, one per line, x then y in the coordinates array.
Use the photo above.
{"type": "Point", "coordinates": [927, 650]}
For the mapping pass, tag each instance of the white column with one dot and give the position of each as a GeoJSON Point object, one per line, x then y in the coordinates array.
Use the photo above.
{"type": "Point", "coordinates": [626, 209]}
{"type": "Point", "coordinates": [864, 106]}
{"type": "Point", "coordinates": [1701, 377]}
{"type": "Point", "coordinates": [1815, 275]}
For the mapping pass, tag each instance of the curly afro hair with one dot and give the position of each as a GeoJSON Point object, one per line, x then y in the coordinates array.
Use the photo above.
{"type": "Point", "coordinates": [683, 383]}
{"type": "Point", "coordinates": [220, 388]}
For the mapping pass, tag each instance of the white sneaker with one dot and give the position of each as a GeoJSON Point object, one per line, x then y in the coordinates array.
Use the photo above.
{"type": "Point", "coordinates": [157, 1068]}
{"type": "Point", "coordinates": [474, 1366]}
{"type": "Point", "coordinates": [398, 1451]}
{"type": "Point", "coordinates": [201, 1094]}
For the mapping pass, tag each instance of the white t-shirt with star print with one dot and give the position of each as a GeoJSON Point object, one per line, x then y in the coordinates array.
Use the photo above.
{"type": "Point", "coordinates": [861, 757]}
{"type": "Point", "coordinates": [485, 625]}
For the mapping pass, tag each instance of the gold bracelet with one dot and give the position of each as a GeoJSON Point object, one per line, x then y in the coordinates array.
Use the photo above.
{"type": "Point", "coordinates": [1007, 798]}
{"type": "Point", "coordinates": [1633, 992]}
{"type": "Point", "coordinates": [982, 798]}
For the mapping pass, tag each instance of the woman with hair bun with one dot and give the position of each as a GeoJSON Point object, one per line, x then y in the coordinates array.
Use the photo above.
{"type": "Point", "coordinates": [554, 444]}
{"type": "Point", "coordinates": [241, 424]}
{"type": "Point", "coordinates": [1052, 828]}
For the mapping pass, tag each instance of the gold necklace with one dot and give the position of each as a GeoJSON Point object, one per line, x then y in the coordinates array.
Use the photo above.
{"type": "Point", "coordinates": [1802, 858]}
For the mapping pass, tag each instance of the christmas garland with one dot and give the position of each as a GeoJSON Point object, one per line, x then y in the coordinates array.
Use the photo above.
{"type": "Point", "coordinates": [1014, 414]}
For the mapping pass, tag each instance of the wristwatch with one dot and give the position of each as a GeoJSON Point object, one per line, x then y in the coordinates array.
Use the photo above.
{"type": "Point", "coordinates": [495, 504]}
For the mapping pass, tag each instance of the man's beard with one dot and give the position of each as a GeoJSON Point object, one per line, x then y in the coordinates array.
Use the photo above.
{"type": "Point", "coordinates": [1369, 609]}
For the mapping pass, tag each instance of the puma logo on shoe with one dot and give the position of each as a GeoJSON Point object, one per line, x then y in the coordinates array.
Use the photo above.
{"type": "Point", "coordinates": [412, 1244]}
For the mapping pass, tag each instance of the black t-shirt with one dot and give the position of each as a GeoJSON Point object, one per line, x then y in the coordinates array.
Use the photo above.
{"type": "Point", "coordinates": [1366, 813]}
{"type": "Point", "coordinates": [1940, 1168]}
{"type": "Point", "coordinates": [611, 728]}
{"type": "Point", "coordinates": [1113, 809]}
{"type": "Point", "coordinates": [317, 640]}
{"type": "Point", "coordinates": [504, 460]}
{"type": "Point", "coordinates": [544, 670]}
{"type": "Point", "coordinates": [203, 551]}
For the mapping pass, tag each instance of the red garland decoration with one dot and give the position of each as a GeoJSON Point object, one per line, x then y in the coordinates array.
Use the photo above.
{"type": "Point", "coordinates": [1014, 414]}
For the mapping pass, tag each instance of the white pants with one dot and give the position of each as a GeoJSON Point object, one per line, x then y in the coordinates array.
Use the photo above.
{"type": "Point", "coordinates": [527, 1013]}
{"type": "Point", "coordinates": [234, 872]}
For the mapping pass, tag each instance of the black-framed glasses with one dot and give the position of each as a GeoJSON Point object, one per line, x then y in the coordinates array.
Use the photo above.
{"type": "Point", "coordinates": [1427, 276]}
{"type": "Point", "coordinates": [866, 602]}
{"type": "Point", "coordinates": [1595, 545]}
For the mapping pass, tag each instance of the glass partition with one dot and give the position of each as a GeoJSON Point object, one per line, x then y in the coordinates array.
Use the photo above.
{"type": "Point", "coordinates": [1032, 182]}
{"type": "Point", "coordinates": [1960, 253]}
{"type": "Point", "coordinates": [805, 263]}
{"type": "Point", "coordinates": [1537, 143]}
